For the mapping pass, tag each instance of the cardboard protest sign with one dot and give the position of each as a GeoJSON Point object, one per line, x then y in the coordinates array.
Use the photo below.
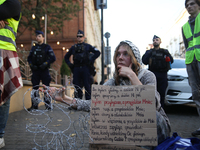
{"type": "Point", "coordinates": [123, 115]}
{"type": "Point", "coordinates": [114, 147]}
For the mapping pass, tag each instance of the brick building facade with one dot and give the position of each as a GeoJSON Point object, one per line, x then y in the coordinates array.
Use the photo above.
{"type": "Point", "coordinates": [87, 19]}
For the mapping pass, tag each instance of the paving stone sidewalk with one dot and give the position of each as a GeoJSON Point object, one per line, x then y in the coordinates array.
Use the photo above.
{"type": "Point", "coordinates": [22, 126]}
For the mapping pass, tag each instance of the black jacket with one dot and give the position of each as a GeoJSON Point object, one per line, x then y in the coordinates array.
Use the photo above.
{"type": "Point", "coordinates": [148, 55]}
{"type": "Point", "coordinates": [87, 60]}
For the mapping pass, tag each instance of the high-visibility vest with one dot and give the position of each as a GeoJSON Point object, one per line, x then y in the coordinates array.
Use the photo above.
{"type": "Point", "coordinates": [8, 33]}
{"type": "Point", "coordinates": [193, 41]}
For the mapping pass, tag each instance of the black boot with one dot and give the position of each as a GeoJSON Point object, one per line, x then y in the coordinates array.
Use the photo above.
{"type": "Point", "coordinates": [34, 96]}
{"type": "Point", "coordinates": [32, 107]}
{"type": "Point", "coordinates": [47, 101]}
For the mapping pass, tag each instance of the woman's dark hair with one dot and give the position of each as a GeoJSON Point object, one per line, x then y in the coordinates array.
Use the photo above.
{"type": "Point", "coordinates": [197, 1]}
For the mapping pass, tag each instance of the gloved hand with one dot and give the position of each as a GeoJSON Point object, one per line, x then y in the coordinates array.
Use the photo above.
{"type": "Point", "coordinates": [33, 67]}
{"type": "Point", "coordinates": [43, 66]}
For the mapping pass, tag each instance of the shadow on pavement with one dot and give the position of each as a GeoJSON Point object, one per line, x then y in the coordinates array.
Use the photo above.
{"type": "Point", "coordinates": [184, 119]}
{"type": "Point", "coordinates": [189, 109]}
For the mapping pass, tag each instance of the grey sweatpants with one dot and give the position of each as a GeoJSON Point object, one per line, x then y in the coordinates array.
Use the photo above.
{"type": "Point", "coordinates": [193, 71]}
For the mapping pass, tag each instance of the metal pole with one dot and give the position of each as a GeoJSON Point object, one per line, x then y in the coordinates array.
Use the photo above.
{"type": "Point", "coordinates": [107, 35]}
{"type": "Point", "coordinates": [107, 42]}
{"type": "Point", "coordinates": [107, 60]}
{"type": "Point", "coordinates": [45, 34]}
{"type": "Point", "coordinates": [102, 47]}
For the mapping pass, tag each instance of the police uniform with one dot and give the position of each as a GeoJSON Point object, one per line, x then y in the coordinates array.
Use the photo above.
{"type": "Point", "coordinates": [159, 63]}
{"type": "Point", "coordinates": [39, 59]}
{"type": "Point", "coordinates": [81, 66]}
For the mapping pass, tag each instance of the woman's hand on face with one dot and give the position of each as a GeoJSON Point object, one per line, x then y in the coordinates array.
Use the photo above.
{"type": "Point", "coordinates": [125, 71]}
{"type": "Point", "coordinates": [129, 73]}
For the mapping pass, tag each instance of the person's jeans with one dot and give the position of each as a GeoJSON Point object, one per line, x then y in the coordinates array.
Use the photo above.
{"type": "Point", "coordinates": [4, 112]}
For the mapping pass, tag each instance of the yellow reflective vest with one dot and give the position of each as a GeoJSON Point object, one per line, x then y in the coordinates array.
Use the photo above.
{"type": "Point", "coordinates": [8, 33]}
{"type": "Point", "coordinates": [193, 41]}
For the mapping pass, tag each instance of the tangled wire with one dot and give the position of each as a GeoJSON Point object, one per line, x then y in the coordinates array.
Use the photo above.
{"type": "Point", "coordinates": [52, 132]}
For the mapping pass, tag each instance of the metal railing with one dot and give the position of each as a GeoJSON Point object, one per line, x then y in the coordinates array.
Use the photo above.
{"type": "Point", "coordinates": [66, 80]}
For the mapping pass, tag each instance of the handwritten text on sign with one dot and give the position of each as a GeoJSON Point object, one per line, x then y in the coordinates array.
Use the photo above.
{"type": "Point", "coordinates": [124, 115]}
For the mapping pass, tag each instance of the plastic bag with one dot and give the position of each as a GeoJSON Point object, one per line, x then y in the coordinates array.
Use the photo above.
{"type": "Point", "coordinates": [177, 143]}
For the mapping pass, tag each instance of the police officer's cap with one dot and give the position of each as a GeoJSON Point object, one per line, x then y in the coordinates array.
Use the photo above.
{"type": "Point", "coordinates": [39, 32]}
{"type": "Point", "coordinates": [80, 32]}
{"type": "Point", "coordinates": [155, 37]}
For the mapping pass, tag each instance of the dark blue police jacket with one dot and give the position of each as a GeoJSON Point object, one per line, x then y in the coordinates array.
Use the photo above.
{"type": "Point", "coordinates": [49, 54]}
{"type": "Point", "coordinates": [87, 60]}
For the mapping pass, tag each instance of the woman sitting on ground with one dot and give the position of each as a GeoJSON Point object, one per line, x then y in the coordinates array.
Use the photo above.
{"type": "Point", "coordinates": [128, 71]}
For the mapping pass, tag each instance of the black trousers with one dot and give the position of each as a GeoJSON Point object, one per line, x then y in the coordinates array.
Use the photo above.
{"type": "Point", "coordinates": [82, 77]}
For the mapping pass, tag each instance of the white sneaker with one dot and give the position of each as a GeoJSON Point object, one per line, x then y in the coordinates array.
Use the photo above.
{"type": "Point", "coordinates": [2, 144]}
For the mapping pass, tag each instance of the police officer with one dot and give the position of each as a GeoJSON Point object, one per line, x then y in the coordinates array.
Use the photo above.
{"type": "Point", "coordinates": [159, 61]}
{"type": "Point", "coordinates": [39, 59]}
{"type": "Point", "coordinates": [81, 65]}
